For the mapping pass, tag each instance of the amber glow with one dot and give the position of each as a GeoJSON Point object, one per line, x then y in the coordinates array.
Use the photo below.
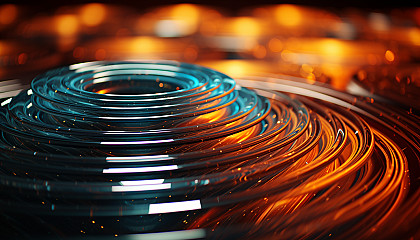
{"type": "Point", "coordinates": [8, 13]}
{"type": "Point", "coordinates": [188, 16]}
{"type": "Point", "coordinates": [245, 26]}
{"type": "Point", "coordinates": [100, 54]}
{"type": "Point", "coordinates": [342, 176]}
{"type": "Point", "coordinates": [240, 136]}
{"type": "Point", "coordinates": [340, 75]}
{"type": "Point", "coordinates": [288, 15]}
{"type": "Point", "coordinates": [260, 51]}
{"type": "Point", "coordinates": [241, 68]}
{"type": "Point", "coordinates": [210, 117]}
{"type": "Point", "coordinates": [389, 55]}
{"type": "Point", "coordinates": [361, 75]}
{"type": "Point", "coordinates": [275, 45]}
{"type": "Point", "coordinates": [311, 137]}
{"type": "Point", "coordinates": [103, 91]}
{"type": "Point", "coordinates": [208, 28]}
{"type": "Point", "coordinates": [190, 54]}
{"type": "Point", "coordinates": [92, 14]}
{"type": "Point", "coordinates": [210, 23]}
{"type": "Point", "coordinates": [311, 78]}
{"type": "Point", "coordinates": [67, 25]}
{"type": "Point", "coordinates": [186, 12]}
{"type": "Point", "coordinates": [207, 118]}
{"type": "Point", "coordinates": [233, 68]}
{"type": "Point", "coordinates": [414, 36]}
{"type": "Point", "coordinates": [144, 45]}
{"type": "Point", "coordinates": [332, 48]}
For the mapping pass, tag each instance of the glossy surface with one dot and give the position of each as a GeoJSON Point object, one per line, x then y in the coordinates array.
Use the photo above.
{"type": "Point", "coordinates": [125, 148]}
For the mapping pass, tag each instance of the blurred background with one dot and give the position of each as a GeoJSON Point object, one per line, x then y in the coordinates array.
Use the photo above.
{"type": "Point", "coordinates": [373, 47]}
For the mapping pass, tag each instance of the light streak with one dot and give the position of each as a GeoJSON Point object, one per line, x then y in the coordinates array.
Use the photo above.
{"type": "Point", "coordinates": [273, 158]}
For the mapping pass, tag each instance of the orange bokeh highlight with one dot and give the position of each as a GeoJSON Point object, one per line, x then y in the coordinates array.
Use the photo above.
{"type": "Point", "coordinates": [8, 14]}
{"type": "Point", "coordinates": [245, 26]}
{"type": "Point", "coordinates": [389, 56]}
{"type": "Point", "coordinates": [185, 12]}
{"type": "Point", "coordinates": [92, 14]}
{"type": "Point", "coordinates": [67, 25]}
{"type": "Point", "coordinates": [275, 45]}
{"type": "Point", "coordinates": [100, 54]}
{"type": "Point", "coordinates": [288, 15]}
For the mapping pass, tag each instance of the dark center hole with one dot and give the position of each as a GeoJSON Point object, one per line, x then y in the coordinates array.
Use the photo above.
{"type": "Point", "coordinates": [132, 87]}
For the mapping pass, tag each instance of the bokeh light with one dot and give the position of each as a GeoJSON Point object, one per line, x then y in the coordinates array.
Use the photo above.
{"type": "Point", "coordinates": [221, 121]}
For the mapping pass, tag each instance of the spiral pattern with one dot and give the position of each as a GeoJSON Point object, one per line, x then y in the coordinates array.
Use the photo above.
{"type": "Point", "coordinates": [146, 147]}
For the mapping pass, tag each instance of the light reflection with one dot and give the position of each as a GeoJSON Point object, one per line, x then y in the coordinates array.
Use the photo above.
{"type": "Point", "coordinates": [139, 158]}
{"type": "Point", "coordinates": [159, 208]}
{"type": "Point", "coordinates": [285, 39]}
{"type": "Point", "coordinates": [141, 187]}
{"type": "Point", "coordinates": [5, 102]}
{"type": "Point", "coordinates": [140, 169]}
{"type": "Point", "coordinates": [142, 182]}
{"type": "Point", "coordinates": [175, 235]}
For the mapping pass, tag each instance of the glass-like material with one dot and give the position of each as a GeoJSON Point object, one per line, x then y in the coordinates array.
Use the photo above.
{"type": "Point", "coordinates": [127, 148]}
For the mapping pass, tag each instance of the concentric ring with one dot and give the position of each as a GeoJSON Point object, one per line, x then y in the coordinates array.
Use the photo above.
{"type": "Point", "coordinates": [163, 146]}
